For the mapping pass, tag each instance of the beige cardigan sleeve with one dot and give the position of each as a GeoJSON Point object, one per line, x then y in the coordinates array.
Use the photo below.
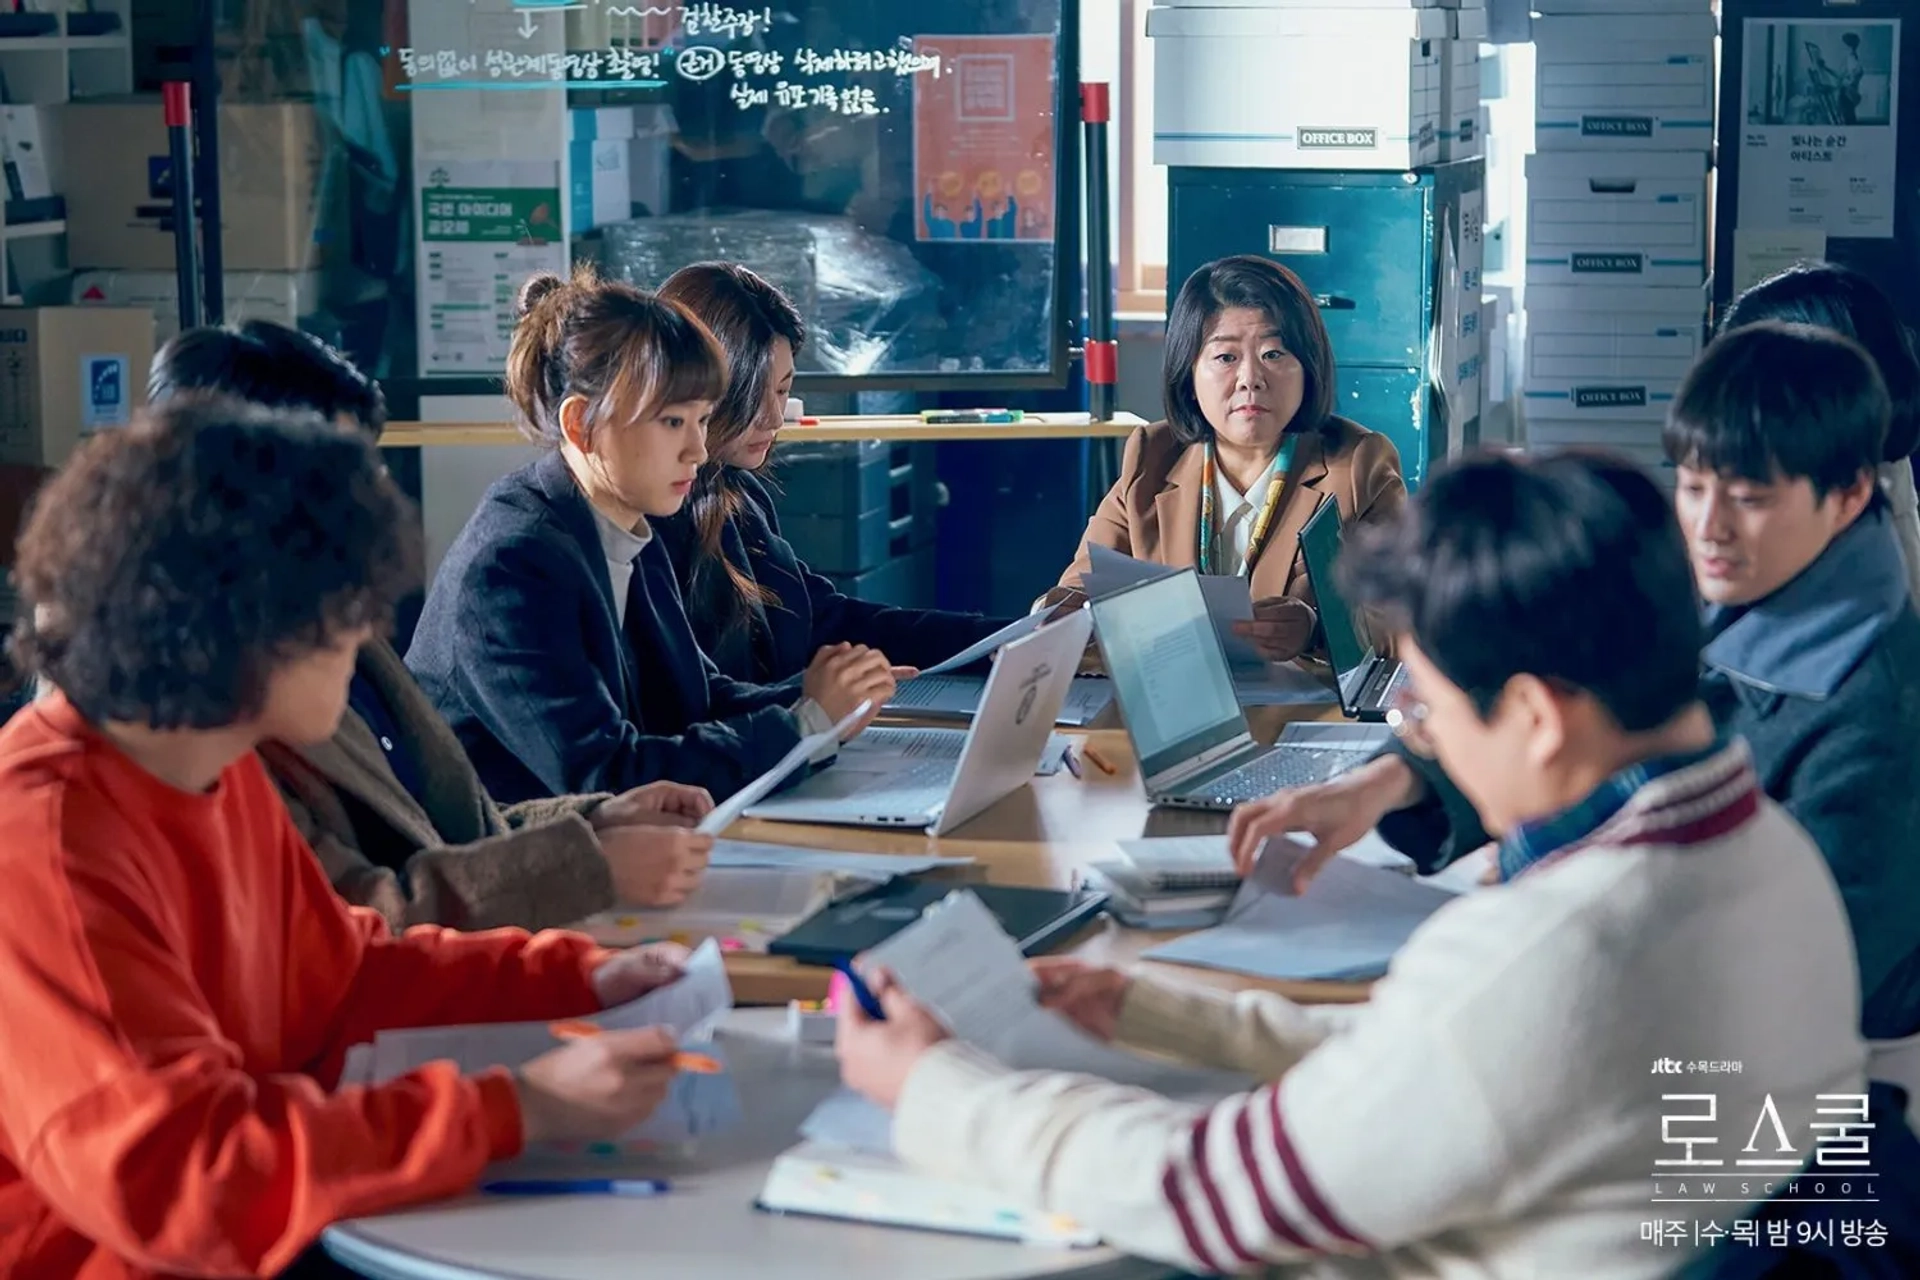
{"type": "Point", "coordinates": [533, 877]}
{"type": "Point", "coordinates": [1255, 1033]}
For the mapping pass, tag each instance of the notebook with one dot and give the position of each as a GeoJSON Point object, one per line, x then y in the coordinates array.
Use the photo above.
{"type": "Point", "coordinates": [1038, 918]}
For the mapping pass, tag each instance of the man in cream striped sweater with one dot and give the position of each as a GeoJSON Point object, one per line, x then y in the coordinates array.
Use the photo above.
{"type": "Point", "coordinates": [1646, 1026]}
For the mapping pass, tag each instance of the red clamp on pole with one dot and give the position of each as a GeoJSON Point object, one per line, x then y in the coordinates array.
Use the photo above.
{"type": "Point", "coordinates": [1102, 359]}
{"type": "Point", "coordinates": [176, 97]}
{"type": "Point", "coordinates": [1103, 364]}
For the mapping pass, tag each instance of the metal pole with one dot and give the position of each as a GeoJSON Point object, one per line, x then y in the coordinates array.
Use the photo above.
{"type": "Point", "coordinates": [1102, 351]}
{"type": "Point", "coordinates": [177, 98]}
{"type": "Point", "coordinates": [206, 120]}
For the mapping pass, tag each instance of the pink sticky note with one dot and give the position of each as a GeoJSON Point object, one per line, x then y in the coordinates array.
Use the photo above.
{"type": "Point", "coordinates": [838, 991]}
{"type": "Point", "coordinates": [732, 944]}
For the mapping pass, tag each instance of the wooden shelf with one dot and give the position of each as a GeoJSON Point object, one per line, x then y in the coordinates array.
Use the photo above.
{"type": "Point", "coordinates": [33, 230]}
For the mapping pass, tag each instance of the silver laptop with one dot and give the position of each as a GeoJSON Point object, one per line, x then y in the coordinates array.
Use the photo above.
{"type": "Point", "coordinates": [1369, 680]}
{"type": "Point", "coordinates": [1176, 696]}
{"type": "Point", "coordinates": [904, 777]}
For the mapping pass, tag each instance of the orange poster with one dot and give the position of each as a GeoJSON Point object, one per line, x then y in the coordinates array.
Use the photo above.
{"type": "Point", "coordinates": [983, 139]}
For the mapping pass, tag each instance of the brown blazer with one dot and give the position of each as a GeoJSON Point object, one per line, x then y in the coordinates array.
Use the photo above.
{"type": "Point", "coordinates": [455, 860]}
{"type": "Point", "coordinates": [1153, 510]}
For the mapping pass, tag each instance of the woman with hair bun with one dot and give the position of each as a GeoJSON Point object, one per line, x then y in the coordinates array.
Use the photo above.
{"type": "Point", "coordinates": [554, 639]}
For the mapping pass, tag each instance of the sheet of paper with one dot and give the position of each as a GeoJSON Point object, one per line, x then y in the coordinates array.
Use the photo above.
{"type": "Point", "coordinates": [728, 812]}
{"type": "Point", "coordinates": [694, 1007]}
{"type": "Point", "coordinates": [1109, 571]}
{"type": "Point", "coordinates": [848, 1121]}
{"type": "Point", "coordinates": [1281, 684]}
{"type": "Point", "coordinates": [983, 648]}
{"type": "Point", "coordinates": [1759, 252]}
{"type": "Point", "coordinates": [1229, 598]}
{"type": "Point", "coordinates": [876, 866]}
{"type": "Point", "coordinates": [959, 962]}
{"type": "Point", "coordinates": [1348, 924]}
{"type": "Point", "coordinates": [747, 907]}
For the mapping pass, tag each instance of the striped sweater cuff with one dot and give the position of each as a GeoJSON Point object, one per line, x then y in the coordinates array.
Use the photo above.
{"type": "Point", "coordinates": [930, 1117]}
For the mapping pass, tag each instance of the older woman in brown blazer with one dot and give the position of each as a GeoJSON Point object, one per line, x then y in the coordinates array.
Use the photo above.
{"type": "Point", "coordinates": [1249, 450]}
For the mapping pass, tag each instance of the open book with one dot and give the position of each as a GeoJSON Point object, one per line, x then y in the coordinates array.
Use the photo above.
{"type": "Point", "coordinates": [958, 961]}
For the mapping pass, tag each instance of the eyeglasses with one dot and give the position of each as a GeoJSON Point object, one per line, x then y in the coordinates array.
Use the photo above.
{"type": "Point", "coordinates": [1407, 717]}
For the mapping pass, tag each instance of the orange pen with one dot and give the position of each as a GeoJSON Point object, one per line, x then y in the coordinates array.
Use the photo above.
{"type": "Point", "coordinates": [698, 1064]}
{"type": "Point", "coordinates": [1099, 760]}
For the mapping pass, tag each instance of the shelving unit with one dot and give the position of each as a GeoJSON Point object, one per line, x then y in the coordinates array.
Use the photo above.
{"type": "Point", "coordinates": [45, 71]}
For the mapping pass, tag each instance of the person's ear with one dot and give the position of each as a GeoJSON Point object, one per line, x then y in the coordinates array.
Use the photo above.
{"type": "Point", "coordinates": [1539, 712]}
{"type": "Point", "coordinates": [1852, 500]}
{"type": "Point", "coordinates": [573, 423]}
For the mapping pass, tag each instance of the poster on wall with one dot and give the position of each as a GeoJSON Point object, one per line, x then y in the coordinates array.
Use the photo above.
{"type": "Point", "coordinates": [1819, 104]}
{"type": "Point", "coordinates": [485, 226]}
{"type": "Point", "coordinates": [983, 139]}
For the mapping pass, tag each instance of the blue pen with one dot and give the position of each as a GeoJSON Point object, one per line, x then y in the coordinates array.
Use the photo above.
{"type": "Point", "coordinates": [640, 1187]}
{"type": "Point", "coordinates": [861, 992]}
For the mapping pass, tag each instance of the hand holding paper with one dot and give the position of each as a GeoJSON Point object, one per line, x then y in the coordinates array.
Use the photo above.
{"type": "Point", "coordinates": [726, 814]}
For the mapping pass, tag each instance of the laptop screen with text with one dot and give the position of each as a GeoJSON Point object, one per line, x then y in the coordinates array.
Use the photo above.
{"type": "Point", "coordinates": [1168, 671]}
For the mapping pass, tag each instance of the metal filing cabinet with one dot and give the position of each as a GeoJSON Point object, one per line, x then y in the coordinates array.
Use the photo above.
{"type": "Point", "coordinates": [862, 514]}
{"type": "Point", "coordinates": [1395, 262]}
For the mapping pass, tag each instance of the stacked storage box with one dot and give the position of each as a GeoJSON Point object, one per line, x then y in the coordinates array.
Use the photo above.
{"type": "Point", "coordinates": [1617, 219]}
{"type": "Point", "coordinates": [1317, 171]}
{"type": "Point", "coordinates": [862, 514]}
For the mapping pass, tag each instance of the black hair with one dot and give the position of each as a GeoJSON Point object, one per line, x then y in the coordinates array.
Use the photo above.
{"type": "Point", "coordinates": [1829, 296]}
{"type": "Point", "coordinates": [1260, 285]}
{"type": "Point", "coordinates": [1772, 400]}
{"type": "Point", "coordinates": [268, 364]}
{"type": "Point", "coordinates": [1568, 567]}
{"type": "Point", "coordinates": [746, 314]}
{"type": "Point", "coordinates": [168, 567]}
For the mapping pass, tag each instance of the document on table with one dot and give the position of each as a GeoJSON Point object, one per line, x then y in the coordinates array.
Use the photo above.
{"type": "Point", "coordinates": [979, 649]}
{"type": "Point", "coordinates": [1346, 926]}
{"type": "Point", "coordinates": [692, 1007]}
{"type": "Point", "coordinates": [874, 866]}
{"type": "Point", "coordinates": [959, 962]}
{"type": "Point", "coordinates": [728, 812]}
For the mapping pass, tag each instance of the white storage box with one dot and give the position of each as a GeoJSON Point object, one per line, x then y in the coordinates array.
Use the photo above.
{"type": "Point", "coordinates": [1461, 137]}
{"type": "Point", "coordinates": [1635, 81]}
{"type": "Point", "coordinates": [1637, 441]}
{"type": "Point", "coordinates": [280, 296]}
{"type": "Point", "coordinates": [1337, 89]}
{"type": "Point", "coordinates": [1619, 8]}
{"type": "Point", "coordinates": [1617, 218]}
{"type": "Point", "coordinates": [1598, 352]}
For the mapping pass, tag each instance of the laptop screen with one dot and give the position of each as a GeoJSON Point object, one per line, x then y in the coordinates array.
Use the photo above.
{"type": "Point", "coordinates": [1168, 671]}
{"type": "Point", "coordinates": [1320, 545]}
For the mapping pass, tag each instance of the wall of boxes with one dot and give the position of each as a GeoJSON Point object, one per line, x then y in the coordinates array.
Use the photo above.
{"type": "Point", "coordinates": [1345, 87]}
{"type": "Point", "coordinates": [1617, 203]}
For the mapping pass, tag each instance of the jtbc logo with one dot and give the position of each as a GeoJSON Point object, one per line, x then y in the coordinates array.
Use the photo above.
{"type": "Point", "coordinates": [1609, 397]}
{"type": "Point", "coordinates": [1339, 139]}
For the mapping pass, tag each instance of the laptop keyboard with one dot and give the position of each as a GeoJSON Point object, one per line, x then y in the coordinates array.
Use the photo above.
{"type": "Point", "coordinates": [1260, 778]}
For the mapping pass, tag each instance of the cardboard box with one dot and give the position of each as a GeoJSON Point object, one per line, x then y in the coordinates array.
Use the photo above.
{"type": "Point", "coordinates": [120, 201]}
{"type": "Point", "coordinates": [1632, 82]}
{"type": "Point", "coordinates": [67, 372]}
{"type": "Point", "coordinates": [1613, 353]}
{"type": "Point", "coordinates": [599, 183]}
{"type": "Point", "coordinates": [1617, 218]}
{"type": "Point", "coordinates": [280, 296]}
{"type": "Point", "coordinates": [1339, 88]}
{"type": "Point", "coordinates": [1461, 135]}
{"type": "Point", "coordinates": [23, 146]}
{"type": "Point", "coordinates": [1638, 441]}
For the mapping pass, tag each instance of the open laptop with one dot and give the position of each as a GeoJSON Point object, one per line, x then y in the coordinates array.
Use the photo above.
{"type": "Point", "coordinates": [1176, 695]}
{"type": "Point", "coordinates": [1368, 680]}
{"type": "Point", "coordinates": [936, 791]}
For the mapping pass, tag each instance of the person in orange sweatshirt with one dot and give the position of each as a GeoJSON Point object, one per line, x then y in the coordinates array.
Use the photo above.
{"type": "Point", "coordinates": [179, 983]}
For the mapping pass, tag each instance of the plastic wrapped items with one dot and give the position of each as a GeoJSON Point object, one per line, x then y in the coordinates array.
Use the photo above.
{"type": "Point", "coordinates": [870, 306]}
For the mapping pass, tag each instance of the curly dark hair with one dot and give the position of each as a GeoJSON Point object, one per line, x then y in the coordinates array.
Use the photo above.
{"type": "Point", "coordinates": [170, 566]}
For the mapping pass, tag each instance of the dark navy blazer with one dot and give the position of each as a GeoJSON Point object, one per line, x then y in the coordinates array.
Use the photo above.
{"type": "Point", "coordinates": [520, 648]}
{"type": "Point", "coordinates": [812, 611]}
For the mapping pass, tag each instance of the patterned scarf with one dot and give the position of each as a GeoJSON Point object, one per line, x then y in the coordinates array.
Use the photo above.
{"type": "Point", "coordinates": [1211, 555]}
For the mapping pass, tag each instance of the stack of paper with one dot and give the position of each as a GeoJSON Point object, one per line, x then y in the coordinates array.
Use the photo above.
{"type": "Point", "coordinates": [1345, 927]}
{"type": "Point", "coordinates": [1177, 882]}
{"type": "Point", "coordinates": [692, 1007]}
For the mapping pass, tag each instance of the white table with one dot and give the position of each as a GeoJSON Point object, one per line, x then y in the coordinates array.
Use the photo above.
{"type": "Point", "coordinates": [707, 1227]}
